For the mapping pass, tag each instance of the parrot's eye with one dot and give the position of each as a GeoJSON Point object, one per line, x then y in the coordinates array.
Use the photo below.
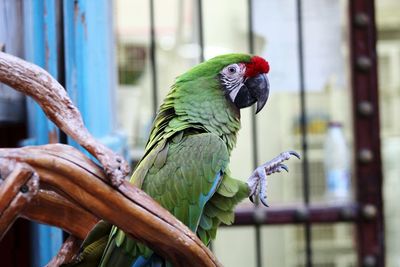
{"type": "Point", "coordinates": [232, 70]}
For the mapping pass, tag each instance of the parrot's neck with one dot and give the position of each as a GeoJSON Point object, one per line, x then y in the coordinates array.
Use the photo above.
{"type": "Point", "coordinates": [203, 110]}
{"type": "Point", "coordinates": [227, 129]}
{"type": "Point", "coordinates": [220, 120]}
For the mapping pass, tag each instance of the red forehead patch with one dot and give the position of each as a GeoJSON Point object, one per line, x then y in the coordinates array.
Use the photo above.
{"type": "Point", "coordinates": [256, 66]}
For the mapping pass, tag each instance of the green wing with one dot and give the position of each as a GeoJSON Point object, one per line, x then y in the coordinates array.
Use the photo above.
{"type": "Point", "coordinates": [220, 208]}
{"type": "Point", "coordinates": [188, 176]}
{"type": "Point", "coordinates": [181, 175]}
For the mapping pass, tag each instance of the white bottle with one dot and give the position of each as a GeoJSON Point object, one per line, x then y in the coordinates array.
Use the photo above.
{"type": "Point", "coordinates": [337, 165]}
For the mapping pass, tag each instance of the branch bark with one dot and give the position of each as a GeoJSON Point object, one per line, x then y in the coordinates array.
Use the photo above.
{"type": "Point", "coordinates": [55, 102]}
{"type": "Point", "coordinates": [48, 207]}
{"type": "Point", "coordinates": [67, 252]}
{"type": "Point", "coordinates": [16, 191]}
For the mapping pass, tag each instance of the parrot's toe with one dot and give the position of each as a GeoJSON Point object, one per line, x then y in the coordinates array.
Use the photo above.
{"type": "Point", "coordinates": [294, 153]}
{"type": "Point", "coordinates": [283, 167]}
{"type": "Point", "coordinates": [257, 182]}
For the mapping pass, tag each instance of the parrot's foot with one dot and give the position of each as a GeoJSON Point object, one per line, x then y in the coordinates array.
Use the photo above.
{"type": "Point", "coordinates": [257, 182]}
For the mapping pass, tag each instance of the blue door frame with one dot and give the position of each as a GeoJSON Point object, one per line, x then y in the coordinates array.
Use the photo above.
{"type": "Point", "coordinates": [90, 79]}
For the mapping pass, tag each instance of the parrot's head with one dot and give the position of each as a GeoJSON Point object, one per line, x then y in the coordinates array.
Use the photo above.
{"type": "Point", "coordinates": [246, 82]}
{"type": "Point", "coordinates": [240, 78]}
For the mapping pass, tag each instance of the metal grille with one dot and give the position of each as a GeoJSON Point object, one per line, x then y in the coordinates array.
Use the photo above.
{"type": "Point", "coordinates": [366, 212]}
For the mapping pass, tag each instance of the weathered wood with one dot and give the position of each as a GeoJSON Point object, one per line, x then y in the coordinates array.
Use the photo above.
{"type": "Point", "coordinates": [64, 213]}
{"type": "Point", "coordinates": [55, 102]}
{"type": "Point", "coordinates": [67, 252]}
{"type": "Point", "coordinates": [77, 178]}
{"type": "Point", "coordinates": [19, 187]}
{"type": "Point", "coordinates": [10, 187]}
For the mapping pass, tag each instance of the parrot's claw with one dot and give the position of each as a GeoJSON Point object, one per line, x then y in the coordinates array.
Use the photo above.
{"type": "Point", "coordinates": [257, 182]}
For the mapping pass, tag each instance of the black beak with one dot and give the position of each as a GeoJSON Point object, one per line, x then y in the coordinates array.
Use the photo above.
{"type": "Point", "coordinates": [255, 89]}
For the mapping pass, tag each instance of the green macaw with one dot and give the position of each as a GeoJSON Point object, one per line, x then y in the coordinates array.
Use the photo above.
{"type": "Point", "coordinates": [185, 167]}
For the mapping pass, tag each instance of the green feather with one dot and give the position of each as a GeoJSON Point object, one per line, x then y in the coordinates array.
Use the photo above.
{"type": "Point", "coordinates": [205, 222]}
{"type": "Point", "coordinates": [228, 188]}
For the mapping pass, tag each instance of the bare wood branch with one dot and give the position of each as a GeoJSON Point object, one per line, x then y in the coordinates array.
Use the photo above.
{"type": "Point", "coordinates": [52, 97]}
{"type": "Point", "coordinates": [82, 181]}
{"type": "Point", "coordinates": [12, 184]}
{"type": "Point", "coordinates": [17, 190]}
{"type": "Point", "coordinates": [45, 202]}
{"type": "Point", "coordinates": [68, 250]}
{"type": "Point", "coordinates": [62, 211]}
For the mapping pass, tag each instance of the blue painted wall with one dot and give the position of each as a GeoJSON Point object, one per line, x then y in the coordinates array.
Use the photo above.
{"type": "Point", "coordinates": [90, 79]}
{"type": "Point", "coordinates": [90, 68]}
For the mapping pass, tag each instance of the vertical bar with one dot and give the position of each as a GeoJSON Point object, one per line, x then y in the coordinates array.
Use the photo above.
{"type": "Point", "coordinates": [370, 230]}
{"type": "Point", "coordinates": [90, 67]}
{"type": "Point", "coordinates": [153, 58]}
{"type": "Point", "coordinates": [253, 117]}
{"type": "Point", "coordinates": [61, 58]}
{"type": "Point", "coordinates": [250, 25]}
{"type": "Point", "coordinates": [51, 54]}
{"type": "Point", "coordinates": [254, 136]}
{"type": "Point", "coordinates": [41, 48]}
{"type": "Point", "coordinates": [62, 137]}
{"type": "Point", "coordinates": [88, 73]}
{"type": "Point", "coordinates": [306, 174]}
{"type": "Point", "coordinates": [201, 30]}
{"type": "Point", "coordinates": [35, 52]}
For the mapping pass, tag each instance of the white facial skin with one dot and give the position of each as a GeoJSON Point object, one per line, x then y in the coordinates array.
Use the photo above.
{"type": "Point", "coordinates": [232, 77]}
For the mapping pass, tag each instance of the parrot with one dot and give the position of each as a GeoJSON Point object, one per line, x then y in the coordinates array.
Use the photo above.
{"type": "Point", "coordinates": [185, 166]}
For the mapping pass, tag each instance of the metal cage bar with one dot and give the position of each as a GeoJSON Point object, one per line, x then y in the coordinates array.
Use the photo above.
{"type": "Point", "coordinates": [367, 133]}
{"type": "Point", "coordinates": [303, 124]}
{"type": "Point", "coordinates": [153, 58]}
{"type": "Point", "coordinates": [316, 213]}
{"type": "Point", "coordinates": [201, 28]}
{"type": "Point", "coordinates": [254, 135]}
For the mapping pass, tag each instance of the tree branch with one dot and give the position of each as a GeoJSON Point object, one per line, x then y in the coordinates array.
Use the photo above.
{"type": "Point", "coordinates": [48, 207]}
{"type": "Point", "coordinates": [73, 175]}
{"type": "Point", "coordinates": [67, 252]}
{"type": "Point", "coordinates": [55, 102]}
{"type": "Point", "coordinates": [16, 190]}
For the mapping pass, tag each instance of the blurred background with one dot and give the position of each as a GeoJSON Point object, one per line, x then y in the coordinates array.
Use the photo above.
{"type": "Point", "coordinates": [118, 59]}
